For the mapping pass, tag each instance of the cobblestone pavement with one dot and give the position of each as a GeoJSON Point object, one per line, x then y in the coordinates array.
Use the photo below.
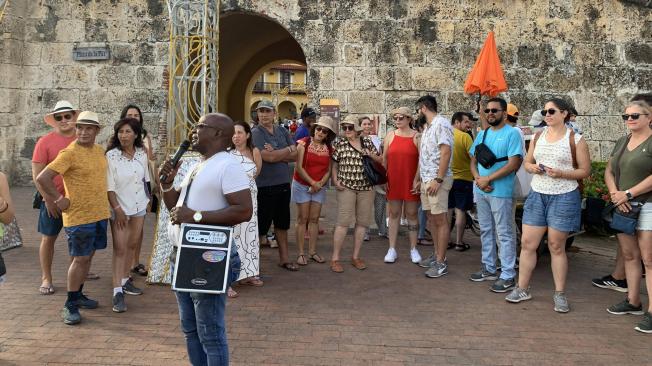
{"type": "Point", "coordinates": [385, 315]}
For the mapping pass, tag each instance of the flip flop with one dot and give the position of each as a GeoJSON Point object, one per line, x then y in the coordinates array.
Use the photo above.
{"type": "Point", "coordinates": [289, 266]}
{"type": "Point", "coordinates": [92, 276]}
{"type": "Point", "coordinates": [451, 245]}
{"type": "Point", "coordinates": [231, 294]}
{"type": "Point", "coordinates": [424, 242]}
{"type": "Point", "coordinates": [462, 247]}
{"type": "Point", "coordinates": [139, 269]}
{"type": "Point", "coordinates": [317, 258]}
{"type": "Point", "coordinates": [252, 281]}
{"type": "Point", "coordinates": [301, 260]}
{"type": "Point", "coordinates": [46, 290]}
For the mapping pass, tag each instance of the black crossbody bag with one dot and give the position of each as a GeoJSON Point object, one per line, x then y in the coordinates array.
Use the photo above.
{"type": "Point", "coordinates": [484, 155]}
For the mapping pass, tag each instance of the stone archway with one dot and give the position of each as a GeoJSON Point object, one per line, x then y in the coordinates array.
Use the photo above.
{"type": "Point", "coordinates": [287, 110]}
{"type": "Point", "coordinates": [248, 42]}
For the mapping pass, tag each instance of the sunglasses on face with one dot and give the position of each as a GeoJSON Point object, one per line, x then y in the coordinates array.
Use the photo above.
{"type": "Point", "coordinates": [550, 112]}
{"type": "Point", "coordinates": [321, 129]}
{"type": "Point", "coordinates": [633, 116]}
{"type": "Point", "coordinates": [347, 128]}
{"type": "Point", "coordinates": [492, 110]}
{"type": "Point", "coordinates": [60, 117]}
{"type": "Point", "coordinates": [399, 118]}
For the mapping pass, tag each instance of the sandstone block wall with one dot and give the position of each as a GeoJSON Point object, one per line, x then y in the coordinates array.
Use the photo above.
{"type": "Point", "coordinates": [372, 55]}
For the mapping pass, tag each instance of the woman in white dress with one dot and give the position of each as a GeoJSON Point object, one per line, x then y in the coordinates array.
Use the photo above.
{"type": "Point", "coordinates": [246, 234]}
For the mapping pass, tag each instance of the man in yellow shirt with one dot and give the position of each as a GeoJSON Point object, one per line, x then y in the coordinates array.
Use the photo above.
{"type": "Point", "coordinates": [460, 197]}
{"type": "Point", "coordinates": [84, 208]}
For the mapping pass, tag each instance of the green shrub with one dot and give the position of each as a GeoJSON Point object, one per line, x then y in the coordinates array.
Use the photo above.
{"type": "Point", "coordinates": [594, 185]}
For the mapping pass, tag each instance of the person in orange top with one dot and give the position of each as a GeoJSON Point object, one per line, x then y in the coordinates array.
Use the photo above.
{"type": "Point", "coordinates": [401, 158]}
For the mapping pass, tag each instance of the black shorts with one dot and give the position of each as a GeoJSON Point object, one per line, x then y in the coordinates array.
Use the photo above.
{"type": "Point", "coordinates": [274, 206]}
{"type": "Point", "coordinates": [461, 195]}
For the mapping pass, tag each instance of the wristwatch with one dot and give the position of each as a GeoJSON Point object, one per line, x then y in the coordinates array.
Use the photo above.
{"type": "Point", "coordinates": [197, 216]}
{"type": "Point", "coordinates": [629, 195]}
{"type": "Point", "coordinates": [439, 180]}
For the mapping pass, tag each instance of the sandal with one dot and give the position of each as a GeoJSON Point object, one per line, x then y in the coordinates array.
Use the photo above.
{"type": "Point", "coordinates": [317, 258]}
{"type": "Point", "coordinates": [336, 267]}
{"type": "Point", "coordinates": [358, 263]}
{"type": "Point", "coordinates": [301, 260]}
{"type": "Point", "coordinates": [252, 281]}
{"type": "Point", "coordinates": [424, 242]}
{"type": "Point", "coordinates": [92, 276]}
{"type": "Point", "coordinates": [451, 245]}
{"type": "Point", "coordinates": [139, 269]}
{"type": "Point", "coordinates": [289, 266]}
{"type": "Point", "coordinates": [462, 247]}
{"type": "Point", "coordinates": [231, 294]}
{"type": "Point", "coordinates": [46, 290]}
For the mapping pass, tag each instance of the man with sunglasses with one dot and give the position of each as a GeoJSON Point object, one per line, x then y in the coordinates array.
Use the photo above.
{"type": "Point", "coordinates": [494, 185]}
{"type": "Point", "coordinates": [62, 120]}
{"type": "Point", "coordinates": [277, 150]}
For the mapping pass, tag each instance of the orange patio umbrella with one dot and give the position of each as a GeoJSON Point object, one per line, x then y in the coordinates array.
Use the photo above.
{"type": "Point", "coordinates": [486, 77]}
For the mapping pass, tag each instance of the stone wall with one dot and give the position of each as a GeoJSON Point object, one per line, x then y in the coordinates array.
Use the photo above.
{"type": "Point", "coordinates": [372, 55]}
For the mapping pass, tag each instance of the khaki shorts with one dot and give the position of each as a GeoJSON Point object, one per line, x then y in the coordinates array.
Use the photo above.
{"type": "Point", "coordinates": [438, 203]}
{"type": "Point", "coordinates": [356, 205]}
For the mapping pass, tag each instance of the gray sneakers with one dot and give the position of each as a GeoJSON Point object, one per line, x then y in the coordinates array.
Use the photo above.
{"type": "Point", "coordinates": [70, 314]}
{"type": "Point", "coordinates": [119, 305]}
{"type": "Point", "coordinates": [130, 289]}
{"type": "Point", "coordinates": [518, 294]}
{"type": "Point", "coordinates": [483, 275]}
{"type": "Point", "coordinates": [561, 303]}
{"type": "Point", "coordinates": [437, 270]}
{"type": "Point", "coordinates": [428, 262]}
{"type": "Point", "coordinates": [625, 308]}
{"type": "Point", "coordinates": [502, 285]}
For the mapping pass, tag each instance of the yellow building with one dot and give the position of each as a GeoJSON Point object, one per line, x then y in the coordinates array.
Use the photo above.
{"type": "Point", "coordinates": [283, 84]}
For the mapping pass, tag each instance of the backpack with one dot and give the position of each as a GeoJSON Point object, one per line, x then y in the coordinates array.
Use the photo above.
{"type": "Point", "coordinates": [573, 149]}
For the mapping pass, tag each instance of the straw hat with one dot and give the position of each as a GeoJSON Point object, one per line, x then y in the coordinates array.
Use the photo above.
{"type": "Point", "coordinates": [88, 118]}
{"type": "Point", "coordinates": [62, 106]}
{"type": "Point", "coordinates": [404, 111]}
{"type": "Point", "coordinates": [327, 122]}
{"type": "Point", "coordinates": [352, 120]}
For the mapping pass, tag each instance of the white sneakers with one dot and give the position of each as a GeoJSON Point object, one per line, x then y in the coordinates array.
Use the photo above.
{"type": "Point", "coordinates": [415, 256]}
{"type": "Point", "coordinates": [391, 256]}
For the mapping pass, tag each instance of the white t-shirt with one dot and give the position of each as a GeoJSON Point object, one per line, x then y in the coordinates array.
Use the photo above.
{"type": "Point", "coordinates": [556, 155]}
{"type": "Point", "coordinates": [214, 178]}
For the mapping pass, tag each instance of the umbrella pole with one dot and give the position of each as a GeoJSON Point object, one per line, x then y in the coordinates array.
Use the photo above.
{"type": "Point", "coordinates": [477, 104]}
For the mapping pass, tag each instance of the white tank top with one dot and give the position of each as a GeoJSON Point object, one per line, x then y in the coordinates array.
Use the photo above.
{"type": "Point", "coordinates": [556, 155]}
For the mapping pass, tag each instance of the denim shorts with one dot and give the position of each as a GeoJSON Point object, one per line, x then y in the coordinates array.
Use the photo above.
{"type": "Point", "coordinates": [562, 212]}
{"type": "Point", "coordinates": [300, 194]}
{"type": "Point", "coordinates": [48, 226]}
{"type": "Point", "coordinates": [85, 239]}
{"type": "Point", "coordinates": [645, 218]}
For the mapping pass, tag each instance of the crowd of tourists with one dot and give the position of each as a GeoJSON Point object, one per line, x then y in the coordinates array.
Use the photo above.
{"type": "Point", "coordinates": [426, 173]}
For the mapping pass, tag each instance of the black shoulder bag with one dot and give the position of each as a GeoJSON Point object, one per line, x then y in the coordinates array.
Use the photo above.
{"type": "Point", "coordinates": [375, 173]}
{"type": "Point", "coordinates": [622, 222]}
{"type": "Point", "coordinates": [484, 155]}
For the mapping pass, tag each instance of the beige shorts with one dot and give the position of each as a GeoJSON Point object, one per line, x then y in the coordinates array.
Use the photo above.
{"type": "Point", "coordinates": [356, 205]}
{"type": "Point", "coordinates": [438, 203]}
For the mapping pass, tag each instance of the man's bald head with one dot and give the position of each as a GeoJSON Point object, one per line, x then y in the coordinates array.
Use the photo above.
{"type": "Point", "coordinates": [221, 122]}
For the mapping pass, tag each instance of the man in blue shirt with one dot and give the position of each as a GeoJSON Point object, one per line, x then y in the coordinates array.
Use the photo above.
{"type": "Point", "coordinates": [308, 116]}
{"type": "Point", "coordinates": [494, 184]}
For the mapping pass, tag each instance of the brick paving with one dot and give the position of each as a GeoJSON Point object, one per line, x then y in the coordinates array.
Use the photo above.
{"type": "Point", "coordinates": [385, 315]}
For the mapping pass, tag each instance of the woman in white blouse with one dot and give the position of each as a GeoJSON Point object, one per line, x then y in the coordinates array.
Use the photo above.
{"type": "Point", "coordinates": [128, 195]}
{"type": "Point", "coordinates": [557, 158]}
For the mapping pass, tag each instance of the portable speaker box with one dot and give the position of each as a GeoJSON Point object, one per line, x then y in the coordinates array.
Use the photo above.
{"type": "Point", "coordinates": [203, 255]}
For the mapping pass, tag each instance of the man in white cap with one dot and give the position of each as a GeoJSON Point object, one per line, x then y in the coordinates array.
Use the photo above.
{"type": "Point", "coordinates": [84, 206]}
{"type": "Point", "coordinates": [62, 119]}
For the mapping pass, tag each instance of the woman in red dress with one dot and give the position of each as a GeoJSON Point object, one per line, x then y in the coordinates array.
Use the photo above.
{"type": "Point", "coordinates": [401, 157]}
